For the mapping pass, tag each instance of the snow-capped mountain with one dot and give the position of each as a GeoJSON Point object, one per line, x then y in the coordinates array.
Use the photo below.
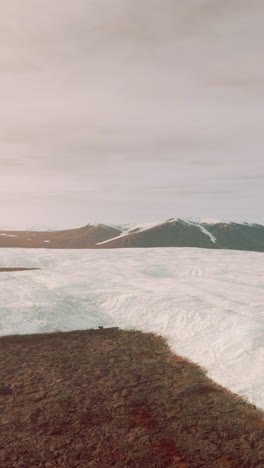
{"type": "Point", "coordinates": [175, 232]}
{"type": "Point", "coordinates": [190, 233]}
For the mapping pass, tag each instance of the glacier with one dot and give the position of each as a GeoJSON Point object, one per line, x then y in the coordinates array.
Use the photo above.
{"type": "Point", "coordinates": [209, 304]}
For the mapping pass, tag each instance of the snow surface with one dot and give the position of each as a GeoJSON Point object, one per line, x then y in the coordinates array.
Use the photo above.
{"type": "Point", "coordinates": [209, 304]}
{"type": "Point", "coordinates": [123, 234]}
{"type": "Point", "coordinates": [8, 235]}
{"type": "Point", "coordinates": [207, 233]}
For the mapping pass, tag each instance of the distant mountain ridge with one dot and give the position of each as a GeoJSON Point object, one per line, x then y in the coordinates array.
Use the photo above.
{"type": "Point", "coordinates": [174, 232]}
{"type": "Point", "coordinates": [188, 233]}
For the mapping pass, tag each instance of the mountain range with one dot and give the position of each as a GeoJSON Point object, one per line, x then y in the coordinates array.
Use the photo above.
{"type": "Point", "coordinates": [173, 232]}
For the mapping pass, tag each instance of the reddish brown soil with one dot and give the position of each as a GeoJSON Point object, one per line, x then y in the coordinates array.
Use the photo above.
{"type": "Point", "coordinates": [85, 237]}
{"type": "Point", "coordinates": [6, 270]}
{"type": "Point", "coordinates": [103, 398]}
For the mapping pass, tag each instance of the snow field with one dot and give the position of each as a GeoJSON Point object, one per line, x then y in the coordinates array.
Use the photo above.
{"type": "Point", "coordinates": [209, 304]}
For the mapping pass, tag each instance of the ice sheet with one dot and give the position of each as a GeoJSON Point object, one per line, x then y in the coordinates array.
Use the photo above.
{"type": "Point", "coordinates": [209, 304]}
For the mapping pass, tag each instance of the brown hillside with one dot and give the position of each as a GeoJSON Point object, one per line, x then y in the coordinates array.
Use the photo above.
{"type": "Point", "coordinates": [80, 238]}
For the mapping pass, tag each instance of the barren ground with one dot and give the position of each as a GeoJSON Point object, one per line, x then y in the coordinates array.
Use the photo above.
{"type": "Point", "coordinates": [103, 398]}
{"type": "Point", "coordinates": [6, 270]}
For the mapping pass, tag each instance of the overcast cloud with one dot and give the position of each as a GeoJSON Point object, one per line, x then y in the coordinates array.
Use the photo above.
{"type": "Point", "coordinates": [131, 110]}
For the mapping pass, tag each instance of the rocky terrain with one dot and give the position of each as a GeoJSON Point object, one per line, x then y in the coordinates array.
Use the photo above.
{"type": "Point", "coordinates": [107, 397]}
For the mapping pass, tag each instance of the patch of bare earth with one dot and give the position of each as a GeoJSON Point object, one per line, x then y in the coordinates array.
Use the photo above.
{"type": "Point", "coordinates": [104, 398]}
{"type": "Point", "coordinates": [8, 270]}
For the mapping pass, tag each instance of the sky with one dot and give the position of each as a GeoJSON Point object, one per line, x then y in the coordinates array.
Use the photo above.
{"type": "Point", "coordinates": [122, 111]}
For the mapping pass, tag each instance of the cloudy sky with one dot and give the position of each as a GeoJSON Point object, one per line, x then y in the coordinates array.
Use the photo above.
{"type": "Point", "coordinates": [131, 110]}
